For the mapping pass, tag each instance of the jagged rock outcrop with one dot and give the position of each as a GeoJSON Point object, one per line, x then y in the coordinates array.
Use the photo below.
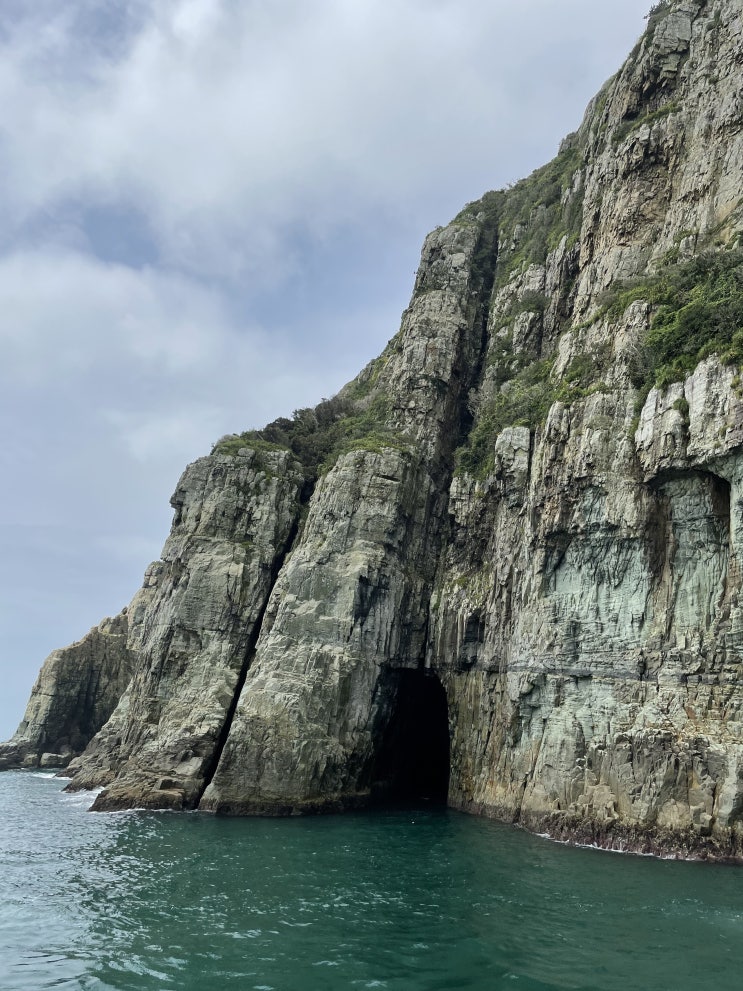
{"type": "Point", "coordinates": [234, 520]}
{"type": "Point", "coordinates": [77, 690]}
{"type": "Point", "coordinates": [349, 612]}
{"type": "Point", "coordinates": [502, 566]}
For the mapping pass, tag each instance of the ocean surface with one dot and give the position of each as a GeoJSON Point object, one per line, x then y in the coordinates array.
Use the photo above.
{"type": "Point", "coordinates": [413, 899]}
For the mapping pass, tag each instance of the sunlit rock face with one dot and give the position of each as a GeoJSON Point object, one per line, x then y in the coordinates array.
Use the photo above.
{"type": "Point", "coordinates": [502, 567]}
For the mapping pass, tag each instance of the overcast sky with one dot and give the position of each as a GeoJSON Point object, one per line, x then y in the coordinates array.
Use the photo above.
{"type": "Point", "coordinates": [211, 213]}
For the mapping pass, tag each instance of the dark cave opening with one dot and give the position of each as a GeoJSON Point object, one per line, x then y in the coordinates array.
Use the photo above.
{"type": "Point", "coordinates": [412, 760]}
{"type": "Point", "coordinates": [720, 500]}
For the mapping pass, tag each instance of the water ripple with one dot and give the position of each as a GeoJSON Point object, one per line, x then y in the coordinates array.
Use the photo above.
{"type": "Point", "coordinates": [141, 901]}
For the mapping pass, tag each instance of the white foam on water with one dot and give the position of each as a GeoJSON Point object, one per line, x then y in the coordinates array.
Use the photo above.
{"type": "Point", "coordinates": [118, 812]}
{"type": "Point", "coordinates": [621, 850]}
{"type": "Point", "coordinates": [80, 799]}
{"type": "Point", "coordinates": [141, 808]}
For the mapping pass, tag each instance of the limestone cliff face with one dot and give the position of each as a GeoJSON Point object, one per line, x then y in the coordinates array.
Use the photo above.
{"type": "Point", "coordinates": [503, 565]}
{"type": "Point", "coordinates": [587, 628]}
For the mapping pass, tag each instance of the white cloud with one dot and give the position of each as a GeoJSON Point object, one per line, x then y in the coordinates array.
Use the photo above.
{"type": "Point", "coordinates": [153, 366]}
{"type": "Point", "coordinates": [145, 434]}
{"type": "Point", "coordinates": [65, 312]}
{"type": "Point", "coordinates": [233, 123]}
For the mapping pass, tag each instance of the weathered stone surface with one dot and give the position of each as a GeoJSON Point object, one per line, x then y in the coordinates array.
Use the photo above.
{"type": "Point", "coordinates": [666, 142]}
{"type": "Point", "coordinates": [693, 423]}
{"type": "Point", "coordinates": [603, 703]}
{"type": "Point", "coordinates": [234, 517]}
{"type": "Point", "coordinates": [349, 611]}
{"type": "Point", "coordinates": [76, 691]}
{"type": "Point", "coordinates": [587, 626]}
{"type": "Point", "coordinates": [349, 607]}
{"type": "Point", "coordinates": [554, 615]}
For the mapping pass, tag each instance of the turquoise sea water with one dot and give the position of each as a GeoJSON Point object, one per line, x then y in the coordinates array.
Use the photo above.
{"type": "Point", "coordinates": [408, 900]}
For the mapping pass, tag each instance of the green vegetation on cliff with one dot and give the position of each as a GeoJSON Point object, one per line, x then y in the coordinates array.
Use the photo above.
{"type": "Point", "coordinates": [318, 436]}
{"type": "Point", "coordinates": [533, 215]}
{"type": "Point", "coordinates": [525, 401]}
{"type": "Point", "coordinates": [698, 311]}
{"type": "Point", "coordinates": [632, 124]}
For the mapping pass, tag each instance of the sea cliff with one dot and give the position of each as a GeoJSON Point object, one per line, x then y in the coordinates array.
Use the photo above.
{"type": "Point", "coordinates": [502, 566]}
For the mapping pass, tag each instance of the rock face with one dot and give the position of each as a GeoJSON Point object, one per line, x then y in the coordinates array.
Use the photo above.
{"type": "Point", "coordinates": [349, 612]}
{"type": "Point", "coordinates": [502, 567]}
{"type": "Point", "coordinates": [76, 691]}
{"type": "Point", "coordinates": [196, 629]}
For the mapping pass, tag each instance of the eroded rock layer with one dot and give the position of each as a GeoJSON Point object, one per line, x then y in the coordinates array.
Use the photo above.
{"type": "Point", "coordinates": [77, 690]}
{"type": "Point", "coordinates": [502, 566]}
{"type": "Point", "coordinates": [234, 519]}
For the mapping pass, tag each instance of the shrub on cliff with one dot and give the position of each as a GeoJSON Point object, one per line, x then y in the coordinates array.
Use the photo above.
{"type": "Point", "coordinates": [698, 311]}
{"type": "Point", "coordinates": [317, 436]}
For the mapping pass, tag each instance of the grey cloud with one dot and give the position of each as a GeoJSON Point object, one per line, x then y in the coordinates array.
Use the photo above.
{"type": "Point", "coordinates": [210, 215]}
{"type": "Point", "coordinates": [232, 122]}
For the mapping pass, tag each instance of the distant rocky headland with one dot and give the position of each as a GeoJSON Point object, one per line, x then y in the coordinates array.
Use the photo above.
{"type": "Point", "coordinates": [502, 567]}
